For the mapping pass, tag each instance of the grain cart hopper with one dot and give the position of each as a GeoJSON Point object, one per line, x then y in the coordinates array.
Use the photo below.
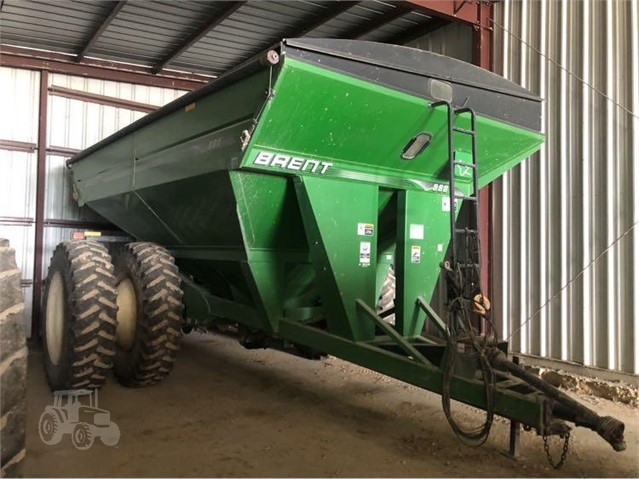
{"type": "Point", "coordinates": [276, 199]}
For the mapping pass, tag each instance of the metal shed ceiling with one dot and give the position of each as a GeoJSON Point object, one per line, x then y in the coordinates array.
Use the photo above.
{"type": "Point", "coordinates": [199, 36]}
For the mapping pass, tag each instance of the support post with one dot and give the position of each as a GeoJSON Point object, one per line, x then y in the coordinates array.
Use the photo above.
{"type": "Point", "coordinates": [41, 171]}
{"type": "Point", "coordinates": [482, 57]}
{"type": "Point", "coordinates": [513, 444]}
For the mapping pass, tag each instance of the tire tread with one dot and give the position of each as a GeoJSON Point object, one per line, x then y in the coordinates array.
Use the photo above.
{"type": "Point", "coordinates": [158, 336]}
{"type": "Point", "coordinates": [92, 312]}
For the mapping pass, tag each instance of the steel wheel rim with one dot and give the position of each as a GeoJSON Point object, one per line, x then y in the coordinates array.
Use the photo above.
{"type": "Point", "coordinates": [55, 318]}
{"type": "Point", "coordinates": [127, 314]}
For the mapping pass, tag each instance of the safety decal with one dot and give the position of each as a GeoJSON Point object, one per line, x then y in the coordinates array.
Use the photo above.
{"type": "Point", "coordinates": [364, 253]}
{"type": "Point", "coordinates": [365, 229]}
{"type": "Point", "coordinates": [415, 254]}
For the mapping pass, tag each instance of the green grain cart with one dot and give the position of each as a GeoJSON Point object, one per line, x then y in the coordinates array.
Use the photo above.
{"type": "Point", "coordinates": [277, 199]}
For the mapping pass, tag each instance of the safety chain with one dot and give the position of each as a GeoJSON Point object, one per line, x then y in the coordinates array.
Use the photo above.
{"type": "Point", "coordinates": [564, 452]}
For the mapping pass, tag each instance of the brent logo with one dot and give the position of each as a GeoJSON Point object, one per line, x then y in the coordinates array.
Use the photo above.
{"type": "Point", "coordinates": [295, 163]}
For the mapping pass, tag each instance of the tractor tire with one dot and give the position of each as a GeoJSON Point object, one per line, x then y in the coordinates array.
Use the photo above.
{"type": "Point", "coordinates": [150, 317]}
{"type": "Point", "coordinates": [387, 295]}
{"type": "Point", "coordinates": [49, 428]}
{"type": "Point", "coordinates": [13, 364]}
{"type": "Point", "coordinates": [79, 311]}
{"type": "Point", "coordinates": [82, 436]}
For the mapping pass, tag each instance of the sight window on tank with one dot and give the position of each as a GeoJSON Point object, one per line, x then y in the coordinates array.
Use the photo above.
{"type": "Point", "coordinates": [416, 145]}
{"type": "Point", "coordinates": [441, 90]}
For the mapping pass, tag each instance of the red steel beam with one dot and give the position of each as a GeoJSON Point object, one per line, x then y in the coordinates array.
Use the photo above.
{"type": "Point", "coordinates": [41, 173]}
{"type": "Point", "coordinates": [101, 99]}
{"type": "Point", "coordinates": [27, 147]}
{"type": "Point", "coordinates": [62, 151]}
{"type": "Point", "coordinates": [22, 146]}
{"type": "Point", "coordinates": [467, 11]}
{"type": "Point", "coordinates": [18, 57]}
{"type": "Point", "coordinates": [482, 37]}
{"type": "Point", "coordinates": [482, 57]}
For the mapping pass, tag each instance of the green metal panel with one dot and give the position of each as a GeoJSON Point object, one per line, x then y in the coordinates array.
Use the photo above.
{"type": "Point", "coordinates": [421, 247]}
{"type": "Point", "coordinates": [340, 219]}
{"type": "Point", "coordinates": [353, 129]}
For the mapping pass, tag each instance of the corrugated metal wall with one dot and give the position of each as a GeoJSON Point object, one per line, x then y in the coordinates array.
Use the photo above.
{"type": "Point", "coordinates": [557, 214]}
{"type": "Point", "coordinates": [19, 122]}
{"type": "Point", "coordinates": [71, 124]}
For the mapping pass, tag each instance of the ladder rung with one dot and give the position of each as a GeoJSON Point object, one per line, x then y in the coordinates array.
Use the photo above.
{"type": "Point", "coordinates": [461, 163]}
{"type": "Point", "coordinates": [463, 197]}
{"type": "Point", "coordinates": [464, 230]}
{"type": "Point", "coordinates": [464, 131]}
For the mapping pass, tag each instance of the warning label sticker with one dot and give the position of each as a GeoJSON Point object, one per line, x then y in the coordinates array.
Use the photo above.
{"type": "Point", "coordinates": [415, 254]}
{"type": "Point", "coordinates": [416, 232]}
{"type": "Point", "coordinates": [364, 253]}
{"type": "Point", "coordinates": [365, 229]}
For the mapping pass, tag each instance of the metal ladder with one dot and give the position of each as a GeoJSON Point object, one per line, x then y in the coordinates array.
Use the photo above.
{"type": "Point", "coordinates": [467, 259]}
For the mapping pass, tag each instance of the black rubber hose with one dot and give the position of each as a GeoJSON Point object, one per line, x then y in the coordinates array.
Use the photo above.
{"type": "Point", "coordinates": [477, 436]}
{"type": "Point", "coordinates": [607, 427]}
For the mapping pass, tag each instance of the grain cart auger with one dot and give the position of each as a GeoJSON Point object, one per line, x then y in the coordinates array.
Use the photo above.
{"type": "Point", "coordinates": [284, 191]}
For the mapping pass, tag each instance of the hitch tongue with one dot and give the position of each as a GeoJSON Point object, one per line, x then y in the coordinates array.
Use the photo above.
{"type": "Point", "coordinates": [567, 408]}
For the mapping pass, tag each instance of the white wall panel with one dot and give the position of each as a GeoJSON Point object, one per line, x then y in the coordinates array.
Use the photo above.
{"type": "Point", "coordinates": [19, 104]}
{"type": "Point", "coordinates": [19, 122]}
{"type": "Point", "coordinates": [556, 291]}
{"type": "Point", "coordinates": [59, 203]}
{"type": "Point", "coordinates": [21, 238]}
{"type": "Point", "coordinates": [17, 183]}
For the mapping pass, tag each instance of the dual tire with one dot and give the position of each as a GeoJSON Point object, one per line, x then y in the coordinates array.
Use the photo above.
{"type": "Point", "coordinates": [13, 365]}
{"type": "Point", "coordinates": [100, 313]}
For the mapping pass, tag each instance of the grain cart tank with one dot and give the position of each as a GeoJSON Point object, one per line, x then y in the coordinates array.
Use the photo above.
{"type": "Point", "coordinates": [276, 199]}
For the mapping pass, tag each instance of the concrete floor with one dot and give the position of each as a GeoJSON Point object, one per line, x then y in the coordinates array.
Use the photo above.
{"type": "Point", "coordinates": [226, 411]}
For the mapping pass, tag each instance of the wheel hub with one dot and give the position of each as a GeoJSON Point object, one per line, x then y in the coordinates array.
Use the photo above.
{"type": "Point", "coordinates": [55, 318]}
{"type": "Point", "coordinates": [127, 314]}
